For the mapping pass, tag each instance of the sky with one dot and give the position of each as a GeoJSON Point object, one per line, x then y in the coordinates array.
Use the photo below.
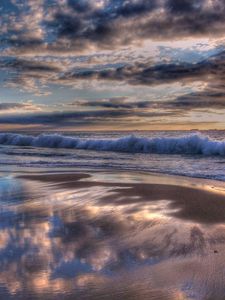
{"type": "Point", "coordinates": [112, 65]}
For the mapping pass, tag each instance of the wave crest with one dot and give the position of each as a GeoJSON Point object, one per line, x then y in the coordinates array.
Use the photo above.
{"type": "Point", "coordinates": [188, 144]}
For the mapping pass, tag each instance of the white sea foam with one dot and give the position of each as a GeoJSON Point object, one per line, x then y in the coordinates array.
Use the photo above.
{"type": "Point", "coordinates": [188, 144]}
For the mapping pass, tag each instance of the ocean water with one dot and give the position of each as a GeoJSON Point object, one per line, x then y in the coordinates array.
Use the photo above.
{"type": "Point", "coordinates": [192, 154]}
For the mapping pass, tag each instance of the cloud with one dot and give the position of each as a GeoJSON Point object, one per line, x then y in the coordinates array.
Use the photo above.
{"type": "Point", "coordinates": [204, 100]}
{"type": "Point", "coordinates": [32, 75]}
{"type": "Point", "coordinates": [21, 106]}
{"type": "Point", "coordinates": [29, 73]}
{"type": "Point", "coordinates": [69, 43]}
{"type": "Point", "coordinates": [113, 103]}
{"type": "Point", "coordinates": [149, 74]}
{"type": "Point", "coordinates": [81, 118]}
{"type": "Point", "coordinates": [84, 25]}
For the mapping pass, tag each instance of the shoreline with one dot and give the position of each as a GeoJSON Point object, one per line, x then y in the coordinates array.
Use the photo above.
{"type": "Point", "coordinates": [132, 176]}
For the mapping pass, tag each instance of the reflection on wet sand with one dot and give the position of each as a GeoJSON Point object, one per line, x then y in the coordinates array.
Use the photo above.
{"type": "Point", "coordinates": [78, 236]}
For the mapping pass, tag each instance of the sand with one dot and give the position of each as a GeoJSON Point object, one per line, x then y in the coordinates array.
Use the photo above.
{"type": "Point", "coordinates": [197, 200]}
{"type": "Point", "coordinates": [111, 235]}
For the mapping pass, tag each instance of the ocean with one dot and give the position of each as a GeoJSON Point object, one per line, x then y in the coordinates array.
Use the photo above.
{"type": "Point", "coordinates": [184, 153]}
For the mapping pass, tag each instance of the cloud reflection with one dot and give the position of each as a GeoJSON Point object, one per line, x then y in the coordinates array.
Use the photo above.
{"type": "Point", "coordinates": [73, 242]}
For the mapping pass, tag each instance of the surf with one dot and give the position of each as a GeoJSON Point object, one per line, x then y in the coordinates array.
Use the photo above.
{"type": "Point", "coordinates": [193, 144]}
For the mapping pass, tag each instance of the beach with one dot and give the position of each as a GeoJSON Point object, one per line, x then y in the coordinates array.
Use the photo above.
{"type": "Point", "coordinates": [111, 235]}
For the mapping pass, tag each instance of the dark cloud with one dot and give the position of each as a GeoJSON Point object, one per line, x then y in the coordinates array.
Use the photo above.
{"type": "Point", "coordinates": [212, 68]}
{"type": "Point", "coordinates": [66, 118]}
{"type": "Point", "coordinates": [80, 6]}
{"type": "Point", "coordinates": [204, 100]}
{"type": "Point", "coordinates": [148, 74]}
{"type": "Point", "coordinates": [29, 75]}
{"type": "Point", "coordinates": [27, 65]}
{"type": "Point", "coordinates": [86, 21]}
{"type": "Point", "coordinates": [201, 100]}
{"type": "Point", "coordinates": [208, 70]}
{"type": "Point", "coordinates": [113, 103]}
{"type": "Point", "coordinates": [80, 25]}
{"type": "Point", "coordinates": [121, 22]}
{"type": "Point", "coordinates": [184, 6]}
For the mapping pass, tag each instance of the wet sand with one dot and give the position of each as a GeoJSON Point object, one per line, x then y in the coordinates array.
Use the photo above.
{"type": "Point", "coordinates": [110, 235]}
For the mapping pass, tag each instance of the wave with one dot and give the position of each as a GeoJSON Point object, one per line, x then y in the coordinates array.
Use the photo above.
{"type": "Point", "coordinates": [189, 144]}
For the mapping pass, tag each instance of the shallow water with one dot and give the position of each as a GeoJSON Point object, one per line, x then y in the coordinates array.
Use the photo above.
{"type": "Point", "coordinates": [111, 236]}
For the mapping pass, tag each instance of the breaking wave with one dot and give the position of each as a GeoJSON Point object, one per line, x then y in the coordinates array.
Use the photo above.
{"type": "Point", "coordinates": [188, 144]}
